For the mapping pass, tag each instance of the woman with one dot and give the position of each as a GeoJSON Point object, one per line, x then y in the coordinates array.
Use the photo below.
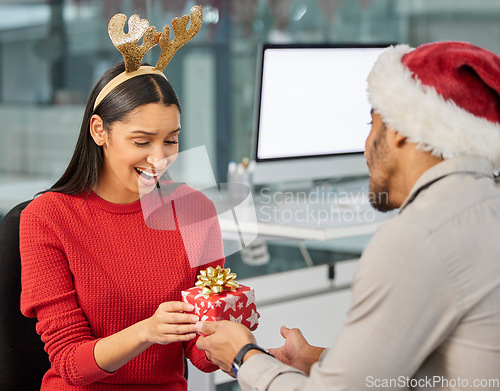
{"type": "Point", "coordinates": [104, 286]}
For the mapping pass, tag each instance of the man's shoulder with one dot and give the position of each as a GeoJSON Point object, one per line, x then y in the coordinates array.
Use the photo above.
{"type": "Point", "coordinates": [452, 201]}
{"type": "Point", "coordinates": [401, 252]}
{"type": "Point", "coordinates": [401, 231]}
{"type": "Point", "coordinates": [448, 199]}
{"type": "Point", "coordinates": [450, 214]}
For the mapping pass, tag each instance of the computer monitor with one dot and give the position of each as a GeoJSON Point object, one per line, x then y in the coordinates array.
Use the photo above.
{"type": "Point", "coordinates": [312, 111]}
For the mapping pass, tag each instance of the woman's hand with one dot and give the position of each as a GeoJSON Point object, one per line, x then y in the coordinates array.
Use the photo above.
{"type": "Point", "coordinates": [170, 323]}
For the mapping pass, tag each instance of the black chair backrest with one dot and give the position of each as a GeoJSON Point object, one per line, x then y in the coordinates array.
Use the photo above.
{"type": "Point", "coordinates": [23, 361]}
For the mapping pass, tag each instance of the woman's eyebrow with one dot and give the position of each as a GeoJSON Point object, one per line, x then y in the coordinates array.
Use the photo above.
{"type": "Point", "coordinates": [146, 133]}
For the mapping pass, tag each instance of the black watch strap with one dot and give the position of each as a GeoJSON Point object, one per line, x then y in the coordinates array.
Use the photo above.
{"type": "Point", "coordinates": [238, 360]}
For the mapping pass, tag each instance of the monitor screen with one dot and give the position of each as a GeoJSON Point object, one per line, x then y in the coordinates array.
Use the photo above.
{"type": "Point", "coordinates": [312, 103]}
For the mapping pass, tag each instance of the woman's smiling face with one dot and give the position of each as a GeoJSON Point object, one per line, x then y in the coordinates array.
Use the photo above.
{"type": "Point", "coordinates": [137, 151]}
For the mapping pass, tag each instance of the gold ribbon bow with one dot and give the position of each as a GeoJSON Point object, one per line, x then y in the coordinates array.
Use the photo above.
{"type": "Point", "coordinates": [216, 280]}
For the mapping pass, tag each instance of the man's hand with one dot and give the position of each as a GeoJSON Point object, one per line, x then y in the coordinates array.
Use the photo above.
{"type": "Point", "coordinates": [296, 352]}
{"type": "Point", "coordinates": [222, 341]}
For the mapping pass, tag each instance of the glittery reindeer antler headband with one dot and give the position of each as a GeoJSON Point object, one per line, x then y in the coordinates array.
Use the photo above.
{"type": "Point", "coordinates": [126, 43]}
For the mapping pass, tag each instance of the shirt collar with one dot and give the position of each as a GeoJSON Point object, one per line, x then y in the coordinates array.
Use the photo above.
{"type": "Point", "coordinates": [475, 165]}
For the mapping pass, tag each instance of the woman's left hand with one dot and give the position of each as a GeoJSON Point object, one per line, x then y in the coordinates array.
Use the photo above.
{"type": "Point", "coordinates": [170, 323]}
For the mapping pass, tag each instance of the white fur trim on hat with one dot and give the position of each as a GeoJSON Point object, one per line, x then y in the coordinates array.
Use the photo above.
{"type": "Point", "coordinates": [422, 115]}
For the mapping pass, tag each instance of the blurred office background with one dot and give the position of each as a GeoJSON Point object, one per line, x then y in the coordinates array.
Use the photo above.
{"type": "Point", "coordinates": [53, 51]}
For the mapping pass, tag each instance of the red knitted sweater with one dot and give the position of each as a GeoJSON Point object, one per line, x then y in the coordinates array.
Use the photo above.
{"type": "Point", "coordinates": [91, 268]}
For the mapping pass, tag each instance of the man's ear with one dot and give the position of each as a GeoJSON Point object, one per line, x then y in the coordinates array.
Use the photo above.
{"type": "Point", "coordinates": [97, 130]}
{"type": "Point", "coordinates": [396, 138]}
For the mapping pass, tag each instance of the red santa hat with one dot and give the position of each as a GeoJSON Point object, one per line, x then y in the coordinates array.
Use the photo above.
{"type": "Point", "coordinates": [444, 96]}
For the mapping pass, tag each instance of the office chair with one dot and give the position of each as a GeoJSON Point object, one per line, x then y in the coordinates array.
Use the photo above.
{"type": "Point", "coordinates": [23, 361]}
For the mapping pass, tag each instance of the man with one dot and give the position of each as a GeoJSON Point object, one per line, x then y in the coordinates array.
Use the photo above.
{"type": "Point", "coordinates": [426, 297]}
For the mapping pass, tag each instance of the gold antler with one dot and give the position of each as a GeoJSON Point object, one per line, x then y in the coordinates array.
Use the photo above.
{"type": "Point", "coordinates": [182, 36]}
{"type": "Point", "coordinates": [127, 43]}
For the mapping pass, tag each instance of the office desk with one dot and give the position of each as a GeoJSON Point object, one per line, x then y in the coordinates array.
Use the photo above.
{"type": "Point", "coordinates": [277, 231]}
{"type": "Point", "coordinates": [316, 216]}
{"type": "Point", "coordinates": [302, 220]}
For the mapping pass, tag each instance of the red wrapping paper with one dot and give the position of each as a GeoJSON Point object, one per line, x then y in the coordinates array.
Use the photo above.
{"type": "Point", "coordinates": [238, 306]}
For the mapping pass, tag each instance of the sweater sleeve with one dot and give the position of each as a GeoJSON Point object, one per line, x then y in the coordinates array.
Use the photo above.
{"type": "Point", "coordinates": [198, 357]}
{"type": "Point", "coordinates": [48, 293]}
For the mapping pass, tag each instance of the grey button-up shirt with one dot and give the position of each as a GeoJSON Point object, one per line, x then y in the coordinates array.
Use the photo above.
{"type": "Point", "coordinates": [426, 297]}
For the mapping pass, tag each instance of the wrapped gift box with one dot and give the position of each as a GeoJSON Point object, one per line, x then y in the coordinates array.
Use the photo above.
{"type": "Point", "coordinates": [237, 306]}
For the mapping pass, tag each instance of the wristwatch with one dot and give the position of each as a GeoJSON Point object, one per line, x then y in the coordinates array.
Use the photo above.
{"type": "Point", "coordinates": [238, 360]}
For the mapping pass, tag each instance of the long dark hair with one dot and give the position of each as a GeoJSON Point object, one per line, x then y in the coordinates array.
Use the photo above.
{"type": "Point", "coordinates": [85, 167]}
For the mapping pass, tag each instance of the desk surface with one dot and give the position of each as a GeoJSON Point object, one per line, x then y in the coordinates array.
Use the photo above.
{"type": "Point", "coordinates": [287, 231]}
{"type": "Point", "coordinates": [292, 218]}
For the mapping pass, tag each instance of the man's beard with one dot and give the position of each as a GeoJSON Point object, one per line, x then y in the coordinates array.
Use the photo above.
{"type": "Point", "coordinates": [379, 197]}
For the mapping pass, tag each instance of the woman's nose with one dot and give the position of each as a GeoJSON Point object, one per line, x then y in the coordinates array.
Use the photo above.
{"type": "Point", "coordinates": [157, 163]}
